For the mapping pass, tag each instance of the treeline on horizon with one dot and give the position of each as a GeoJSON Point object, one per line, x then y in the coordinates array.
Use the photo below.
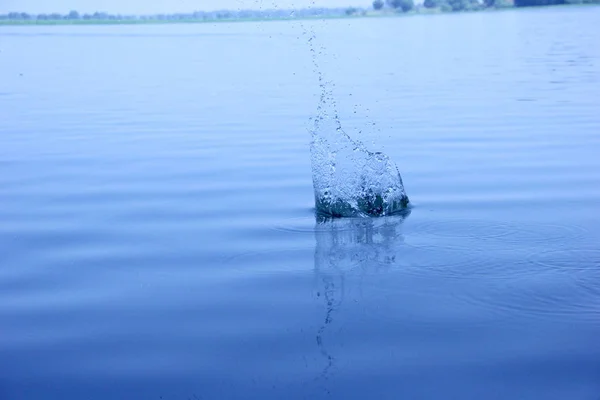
{"type": "Point", "coordinates": [472, 5]}
{"type": "Point", "coordinates": [196, 15]}
{"type": "Point", "coordinates": [377, 5]}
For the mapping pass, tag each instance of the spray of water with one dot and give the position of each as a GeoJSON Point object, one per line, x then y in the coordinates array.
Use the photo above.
{"type": "Point", "coordinates": [348, 179]}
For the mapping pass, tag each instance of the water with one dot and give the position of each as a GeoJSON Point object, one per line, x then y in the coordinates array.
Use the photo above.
{"type": "Point", "coordinates": [349, 180]}
{"type": "Point", "coordinates": [157, 234]}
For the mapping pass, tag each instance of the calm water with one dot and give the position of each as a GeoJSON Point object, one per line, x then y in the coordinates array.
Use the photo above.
{"type": "Point", "coordinates": [157, 237]}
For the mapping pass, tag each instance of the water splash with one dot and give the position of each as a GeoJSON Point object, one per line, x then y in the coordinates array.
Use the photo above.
{"type": "Point", "coordinates": [348, 179]}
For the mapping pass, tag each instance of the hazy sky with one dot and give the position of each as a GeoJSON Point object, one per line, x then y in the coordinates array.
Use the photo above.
{"type": "Point", "coordinates": [156, 6]}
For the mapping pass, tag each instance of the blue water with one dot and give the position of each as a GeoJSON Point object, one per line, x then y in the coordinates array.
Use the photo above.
{"type": "Point", "coordinates": [157, 234]}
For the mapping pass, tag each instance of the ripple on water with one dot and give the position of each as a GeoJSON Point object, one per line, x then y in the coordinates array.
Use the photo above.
{"type": "Point", "coordinates": [454, 262]}
{"type": "Point", "coordinates": [269, 261]}
{"type": "Point", "coordinates": [565, 285]}
{"type": "Point", "coordinates": [526, 233]}
{"type": "Point", "coordinates": [308, 224]}
{"type": "Point", "coordinates": [448, 262]}
{"type": "Point", "coordinates": [554, 285]}
{"type": "Point", "coordinates": [551, 300]}
{"type": "Point", "coordinates": [581, 265]}
{"type": "Point", "coordinates": [381, 242]}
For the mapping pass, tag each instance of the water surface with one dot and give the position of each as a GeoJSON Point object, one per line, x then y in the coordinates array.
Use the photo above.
{"type": "Point", "coordinates": [157, 236]}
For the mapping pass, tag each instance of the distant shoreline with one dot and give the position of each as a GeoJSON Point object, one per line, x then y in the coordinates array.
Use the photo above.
{"type": "Point", "coordinates": [360, 14]}
{"type": "Point", "coordinates": [151, 21]}
{"type": "Point", "coordinates": [156, 21]}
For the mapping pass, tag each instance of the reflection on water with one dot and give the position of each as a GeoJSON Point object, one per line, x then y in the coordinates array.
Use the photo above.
{"type": "Point", "coordinates": [356, 243]}
{"type": "Point", "coordinates": [349, 246]}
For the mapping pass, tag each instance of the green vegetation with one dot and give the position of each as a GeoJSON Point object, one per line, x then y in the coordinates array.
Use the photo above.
{"type": "Point", "coordinates": [378, 4]}
{"type": "Point", "coordinates": [379, 8]}
{"type": "Point", "coordinates": [74, 17]}
{"type": "Point", "coordinates": [401, 5]}
{"type": "Point", "coordinates": [529, 3]}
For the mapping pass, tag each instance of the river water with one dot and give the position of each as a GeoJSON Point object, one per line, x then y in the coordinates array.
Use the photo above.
{"type": "Point", "coordinates": [158, 237]}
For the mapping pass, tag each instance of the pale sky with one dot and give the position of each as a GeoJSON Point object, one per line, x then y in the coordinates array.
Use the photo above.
{"type": "Point", "coordinates": [163, 6]}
